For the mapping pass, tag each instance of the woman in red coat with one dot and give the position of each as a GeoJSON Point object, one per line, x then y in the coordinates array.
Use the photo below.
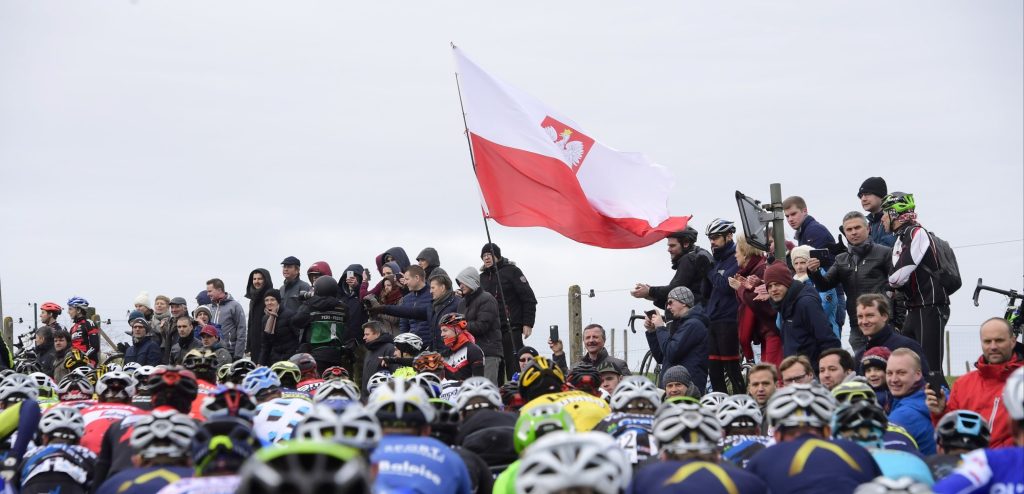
{"type": "Point", "coordinates": [756, 315]}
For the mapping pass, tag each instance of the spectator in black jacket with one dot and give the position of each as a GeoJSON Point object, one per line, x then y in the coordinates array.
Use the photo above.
{"type": "Point", "coordinates": [804, 327]}
{"type": "Point", "coordinates": [145, 349]}
{"type": "Point", "coordinates": [379, 345]}
{"type": "Point", "coordinates": [321, 322]}
{"type": "Point", "coordinates": [506, 282]}
{"type": "Point", "coordinates": [481, 311]}
{"type": "Point", "coordinates": [863, 269]}
{"type": "Point", "coordinates": [256, 290]}
{"type": "Point", "coordinates": [280, 338]}
{"type": "Point", "coordinates": [184, 339]}
{"type": "Point", "coordinates": [684, 341]}
{"type": "Point", "coordinates": [873, 313]}
{"type": "Point", "coordinates": [691, 264]}
{"type": "Point", "coordinates": [45, 353]}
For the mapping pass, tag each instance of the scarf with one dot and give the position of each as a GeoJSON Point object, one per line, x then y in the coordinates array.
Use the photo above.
{"type": "Point", "coordinates": [459, 340]}
{"type": "Point", "coordinates": [271, 321]}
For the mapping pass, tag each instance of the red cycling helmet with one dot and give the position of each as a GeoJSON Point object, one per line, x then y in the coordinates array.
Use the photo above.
{"type": "Point", "coordinates": [334, 372]}
{"type": "Point", "coordinates": [52, 307]}
{"type": "Point", "coordinates": [321, 268]}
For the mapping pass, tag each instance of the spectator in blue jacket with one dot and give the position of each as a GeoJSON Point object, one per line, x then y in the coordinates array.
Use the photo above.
{"type": "Point", "coordinates": [801, 320]}
{"type": "Point", "coordinates": [418, 299]}
{"type": "Point", "coordinates": [807, 231]}
{"type": "Point", "coordinates": [800, 256]}
{"type": "Point", "coordinates": [723, 309]}
{"type": "Point", "coordinates": [145, 349]}
{"type": "Point", "coordinates": [908, 409]}
{"type": "Point", "coordinates": [871, 193]}
{"type": "Point", "coordinates": [684, 341]}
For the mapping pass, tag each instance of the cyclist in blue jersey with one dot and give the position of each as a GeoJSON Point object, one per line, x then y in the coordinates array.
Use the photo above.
{"type": "Point", "coordinates": [688, 437]}
{"type": "Point", "coordinates": [958, 432]}
{"type": "Point", "coordinates": [804, 459]}
{"type": "Point", "coordinates": [995, 470]}
{"type": "Point", "coordinates": [59, 464]}
{"type": "Point", "coordinates": [160, 445]}
{"type": "Point", "coordinates": [741, 422]}
{"type": "Point", "coordinates": [864, 422]}
{"type": "Point", "coordinates": [407, 459]}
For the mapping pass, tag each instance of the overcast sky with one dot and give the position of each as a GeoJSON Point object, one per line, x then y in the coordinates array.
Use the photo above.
{"type": "Point", "coordinates": [155, 144]}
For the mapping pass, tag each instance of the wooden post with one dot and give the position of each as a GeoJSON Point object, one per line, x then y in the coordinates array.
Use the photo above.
{"type": "Point", "coordinates": [97, 322]}
{"type": "Point", "coordinates": [575, 325]}
{"type": "Point", "coordinates": [949, 358]}
{"type": "Point", "coordinates": [8, 332]}
{"type": "Point", "coordinates": [625, 350]}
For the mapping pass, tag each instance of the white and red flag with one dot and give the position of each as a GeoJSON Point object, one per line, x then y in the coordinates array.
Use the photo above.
{"type": "Point", "coordinates": [536, 167]}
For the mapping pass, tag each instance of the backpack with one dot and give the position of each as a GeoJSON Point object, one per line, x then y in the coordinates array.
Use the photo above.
{"type": "Point", "coordinates": [949, 271]}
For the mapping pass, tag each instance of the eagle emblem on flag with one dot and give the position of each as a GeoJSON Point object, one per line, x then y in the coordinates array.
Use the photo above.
{"type": "Point", "coordinates": [573, 144]}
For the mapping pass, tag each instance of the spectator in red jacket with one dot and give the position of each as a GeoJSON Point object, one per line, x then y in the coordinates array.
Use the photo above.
{"type": "Point", "coordinates": [981, 390]}
{"type": "Point", "coordinates": [756, 314]}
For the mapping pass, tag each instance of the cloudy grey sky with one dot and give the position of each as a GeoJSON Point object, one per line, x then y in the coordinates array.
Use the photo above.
{"type": "Point", "coordinates": [155, 144]}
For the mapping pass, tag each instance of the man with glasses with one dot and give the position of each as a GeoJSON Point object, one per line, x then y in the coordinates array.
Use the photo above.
{"type": "Point", "coordinates": [795, 369]}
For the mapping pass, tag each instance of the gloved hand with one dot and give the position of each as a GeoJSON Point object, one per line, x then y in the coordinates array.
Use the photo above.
{"type": "Point", "coordinates": [122, 347]}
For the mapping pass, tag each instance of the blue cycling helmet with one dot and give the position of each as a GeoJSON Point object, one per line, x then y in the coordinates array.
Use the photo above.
{"type": "Point", "coordinates": [962, 429]}
{"type": "Point", "coordinates": [260, 380]}
{"type": "Point", "coordinates": [78, 302]}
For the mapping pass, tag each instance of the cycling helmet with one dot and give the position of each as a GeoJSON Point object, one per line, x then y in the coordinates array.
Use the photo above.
{"type": "Point", "coordinates": [401, 402]}
{"type": "Point", "coordinates": [6, 372]}
{"type": "Point", "coordinates": [1013, 395]}
{"type": "Point", "coordinates": [163, 433]}
{"type": "Point", "coordinates": [174, 386]}
{"type": "Point", "coordinates": [319, 268]}
{"type": "Point", "coordinates": [408, 343]}
{"type": "Point", "coordinates": [719, 226]}
{"type": "Point", "coordinates": [854, 391]}
{"type": "Point", "coordinates": [260, 381]}
{"type": "Point", "coordinates": [446, 422]}
{"type": "Point", "coordinates": [18, 387]}
{"type": "Point", "coordinates": [306, 364]}
{"type": "Point", "coordinates": [337, 389]}
{"type": "Point", "coordinates": [287, 373]}
{"type": "Point", "coordinates": [898, 203]}
{"type": "Point", "coordinates": [200, 360]}
{"type": "Point", "coordinates": [78, 303]}
{"type": "Point", "coordinates": [713, 400]}
{"type": "Point", "coordinates": [74, 387]}
{"type": "Point", "coordinates": [885, 485]}
{"type": "Point", "coordinates": [686, 428]}
{"type": "Point", "coordinates": [679, 400]}
{"type": "Point", "coordinates": [428, 361]}
{"type": "Point", "coordinates": [333, 372]}
{"type": "Point", "coordinates": [962, 429]}
{"type": "Point", "coordinates": [51, 307]}
{"type": "Point", "coordinates": [739, 411]}
{"type": "Point", "coordinates": [799, 405]}
{"type": "Point", "coordinates": [119, 383]}
{"type": "Point", "coordinates": [75, 359]}
{"type": "Point", "coordinates": [229, 401]}
{"type": "Point", "coordinates": [430, 383]}
{"type": "Point", "coordinates": [62, 423]}
{"type": "Point", "coordinates": [131, 367]}
{"type": "Point", "coordinates": [863, 422]}
{"type": "Point", "coordinates": [564, 460]}
{"type": "Point", "coordinates": [635, 388]}
{"type": "Point", "coordinates": [359, 428]}
{"type": "Point", "coordinates": [45, 384]}
{"type": "Point", "coordinates": [453, 320]}
{"type": "Point", "coordinates": [478, 387]}
{"type": "Point", "coordinates": [378, 378]}
{"type": "Point", "coordinates": [326, 286]}
{"type": "Point", "coordinates": [689, 233]}
{"type": "Point", "coordinates": [111, 367]}
{"type": "Point", "coordinates": [305, 467]}
{"type": "Point", "coordinates": [222, 374]}
{"type": "Point", "coordinates": [320, 424]}
{"type": "Point", "coordinates": [540, 377]}
{"type": "Point", "coordinates": [584, 377]}
{"type": "Point", "coordinates": [221, 445]}
{"type": "Point", "coordinates": [239, 369]}
{"type": "Point", "coordinates": [538, 421]}
{"type": "Point", "coordinates": [143, 372]}
{"type": "Point", "coordinates": [26, 367]}
{"type": "Point", "coordinates": [405, 373]}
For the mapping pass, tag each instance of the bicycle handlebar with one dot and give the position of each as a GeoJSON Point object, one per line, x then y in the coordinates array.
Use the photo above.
{"type": "Point", "coordinates": [1013, 294]}
{"type": "Point", "coordinates": [633, 316]}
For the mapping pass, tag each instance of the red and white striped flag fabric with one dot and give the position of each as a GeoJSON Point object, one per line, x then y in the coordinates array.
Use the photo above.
{"type": "Point", "coordinates": [537, 167]}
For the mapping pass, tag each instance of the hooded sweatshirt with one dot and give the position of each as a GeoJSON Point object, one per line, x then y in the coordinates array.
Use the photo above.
{"type": "Point", "coordinates": [254, 327]}
{"type": "Point", "coordinates": [433, 262]}
{"type": "Point", "coordinates": [350, 297]}
{"type": "Point", "coordinates": [399, 256]}
{"type": "Point", "coordinates": [481, 311]}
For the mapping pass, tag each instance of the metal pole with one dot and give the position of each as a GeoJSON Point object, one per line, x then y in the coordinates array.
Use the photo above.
{"type": "Point", "coordinates": [778, 232]}
{"type": "Point", "coordinates": [612, 331]}
{"type": "Point", "coordinates": [948, 357]}
{"type": "Point", "coordinates": [35, 315]}
{"type": "Point", "coordinates": [625, 354]}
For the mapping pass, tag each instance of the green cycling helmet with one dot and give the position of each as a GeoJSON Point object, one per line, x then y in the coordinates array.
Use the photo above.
{"type": "Point", "coordinates": [898, 202]}
{"type": "Point", "coordinates": [404, 373]}
{"type": "Point", "coordinates": [538, 421]}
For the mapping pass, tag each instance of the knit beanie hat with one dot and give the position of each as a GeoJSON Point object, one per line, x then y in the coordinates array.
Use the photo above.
{"type": "Point", "coordinates": [487, 249]}
{"type": "Point", "coordinates": [203, 308]}
{"type": "Point", "coordinates": [469, 277]}
{"type": "Point", "coordinates": [528, 349]}
{"type": "Point", "coordinates": [273, 292]}
{"type": "Point", "coordinates": [779, 273]}
{"type": "Point", "coordinates": [803, 251]}
{"type": "Point", "coordinates": [677, 374]}
{"type": "Point", "coordinates": [682, 294]}
{"type": "Point", "coordinates": [874, 185]}
{"type": "Point", "coordinates": [876, 357]}
{"type": "Point", "coordinates": [142, 299]}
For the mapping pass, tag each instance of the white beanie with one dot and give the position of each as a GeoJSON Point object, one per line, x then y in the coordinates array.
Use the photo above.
{"type": "Point", "coordinates": [142, 299]}
{"type": "Point", "coordinates": [803, 251]}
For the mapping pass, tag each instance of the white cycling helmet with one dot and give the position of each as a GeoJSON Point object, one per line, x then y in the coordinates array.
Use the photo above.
{"type": "Point", "coordinates": [336, 389]}
{"type": "Point", "coordinates": [411, 340]}
{"type": "Point", "coordinates": [686, 427]}
{"type": "Point", "coordinates": [478, 387]}
{"type": "Point", "coordinates": [112, 376]}
{"type": "Point", "coordinates": [74, 387]}
{"type": "Point", "coordinates": [713, 400]}
{"type": "Point", "coordinates": [18, 387]}
{"type": "Point", "coordinates": [885, 485]}
{"type": "Point", "coordinates": [321, 424]}
{"type": "Point", "coordinates": [163, 433]}
{"type": "Point", "coordinates": [739, 411]}
{"type": "Point", "coordinates": [718, 226]}
{"type": "Point", "coordinates": [430, 383]}
{"type": "Point", "coordinates": [142, 373]}
{"type": "Point", "coordinates": [360, 429]}
{"type": "Point", "coordinates": [376, 380]}
{"type": "Point", "coordinates": [45, 384]}
{"type": "Point", "coordinates": [1013, 394]}
{"type": "Point", "coordinates": [402, 401]}
{"type": "Point", "coordinates": [63, 422]}
{"type": "Point", "coordinates": [801, 404]}
{"type": "Point", "coordinates": [635, 387]}
{"type": "Point", "coordinates": [563, 460]}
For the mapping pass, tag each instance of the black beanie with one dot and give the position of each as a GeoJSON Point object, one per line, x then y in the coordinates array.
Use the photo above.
{"type": "Point", "coordinates": [528, 349]}
{"type": "Point", "coordinates": [489, 248]}
{"type": "Point", "coordinates": [874, 185]}
{"type": "Point", "coordinates": [273, 292]}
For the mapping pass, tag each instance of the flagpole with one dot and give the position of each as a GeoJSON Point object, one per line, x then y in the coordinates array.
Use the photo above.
{"type": "Point", "coordinates": [487, 229]}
